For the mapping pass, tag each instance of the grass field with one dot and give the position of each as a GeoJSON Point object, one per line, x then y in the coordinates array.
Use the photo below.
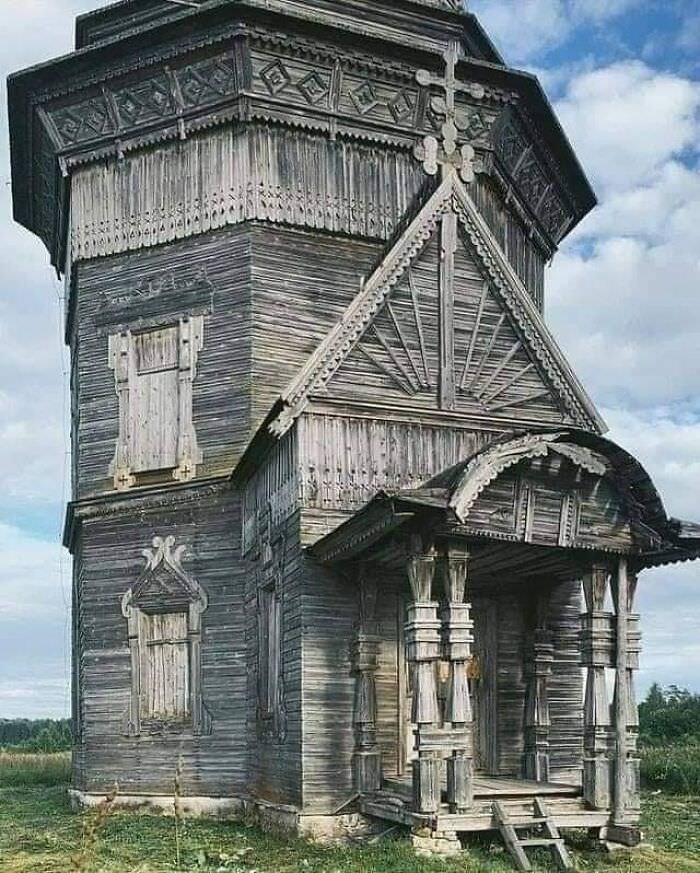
{"type": "Point", "coordinates": [39, 833]}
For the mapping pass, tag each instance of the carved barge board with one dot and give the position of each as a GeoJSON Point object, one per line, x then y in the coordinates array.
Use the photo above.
{"type": "Point", "coordinates": [399, 356]}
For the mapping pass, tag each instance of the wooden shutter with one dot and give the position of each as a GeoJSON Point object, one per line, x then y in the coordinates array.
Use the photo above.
{"type": "Point", "coordinates": [165, 667]}
{"type": "Point", "coordinates": [155, 400]}
{"type": "Point", "coordinates": [269, 650]}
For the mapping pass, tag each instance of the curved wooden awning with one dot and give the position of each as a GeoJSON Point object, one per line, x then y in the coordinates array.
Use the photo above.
{"type": "Point", "coordinates": [550, 492]}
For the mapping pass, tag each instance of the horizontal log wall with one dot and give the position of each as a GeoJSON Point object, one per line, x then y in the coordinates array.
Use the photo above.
{"type": "Point", "coordinates": [302, 284]}
{"type": "Point", "coordinates": [208, 276]}
{"type": "Point", "coordinates": [110, 560]}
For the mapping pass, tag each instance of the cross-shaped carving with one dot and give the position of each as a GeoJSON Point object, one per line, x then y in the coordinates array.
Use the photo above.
{"type": "Point", "coordinates": [447, 155]}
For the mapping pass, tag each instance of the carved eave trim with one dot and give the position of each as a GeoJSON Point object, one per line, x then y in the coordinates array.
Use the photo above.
{"type": "Point", "coordinates": [328, 357]}
{"type": "Point", "coordinates": [520, 304]}
{"type": "Point", "coordinates": [487, 466]}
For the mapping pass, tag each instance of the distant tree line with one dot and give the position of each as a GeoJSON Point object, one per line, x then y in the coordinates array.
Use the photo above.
{"type": "Point", "coordinates": [669, 717]}
{"type": "Point", "coordinates": [39, 735]}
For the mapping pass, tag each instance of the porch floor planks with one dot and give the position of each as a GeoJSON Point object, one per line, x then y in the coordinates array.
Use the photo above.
{"type": "Point", "coordinates": [496, 786]}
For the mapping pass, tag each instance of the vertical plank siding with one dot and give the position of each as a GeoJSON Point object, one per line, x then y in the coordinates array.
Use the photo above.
{"type": "Point", "coordinates": [229, 175]}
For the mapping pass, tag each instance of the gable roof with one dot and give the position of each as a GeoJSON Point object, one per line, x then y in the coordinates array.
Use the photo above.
{"type": "Point", "coordinates": [451, 195]}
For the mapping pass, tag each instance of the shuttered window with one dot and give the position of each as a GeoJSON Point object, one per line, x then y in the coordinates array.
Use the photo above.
{"type": "Point", "coordinates": [165, 666]}
{"type": "Point", "coordinates": [154, 372]}
{"type": "Point", "coordinates": [155, 400]}
{"type": "Point", "coordinates": [269, 659]}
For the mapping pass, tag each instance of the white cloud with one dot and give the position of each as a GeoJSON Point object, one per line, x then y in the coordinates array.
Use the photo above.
{"type": "Point", "coordinates": [626, 120]}
{"type": "Point", "coordinates": [527, 29]}
{"type": "Point", "coordinates": [623, 293]}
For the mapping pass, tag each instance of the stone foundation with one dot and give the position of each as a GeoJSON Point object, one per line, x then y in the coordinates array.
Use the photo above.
{"type": "Point", "coordinates": [280, 818]}
{"type": "Point", "coordinates": [429, 843]}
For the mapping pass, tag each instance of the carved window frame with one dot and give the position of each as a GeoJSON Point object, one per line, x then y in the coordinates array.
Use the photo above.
{"type": "Point", "coordinates": [123, 361]}
{"type": "Point", "coordinates": [165, 588]}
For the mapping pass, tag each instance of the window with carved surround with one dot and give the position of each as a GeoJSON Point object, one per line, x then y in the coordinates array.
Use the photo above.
{"type": "Point", "coordinates": [154, 372]}
{"type": "Point", "coordinates": [164, 618]}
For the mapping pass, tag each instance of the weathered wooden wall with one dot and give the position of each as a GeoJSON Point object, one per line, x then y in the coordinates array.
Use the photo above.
{"type": "Point", "coordinates": [344, 459]}
{"type": "Point", "coordinates": [108, 554]}
{"type": "Point", "coordinates": [207, 276]}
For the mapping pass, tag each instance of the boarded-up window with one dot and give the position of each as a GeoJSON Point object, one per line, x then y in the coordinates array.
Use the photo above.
{"type": "Point", "coordinates": [155, 371]}
{"type": "Point", "coordinates": [269, 658]}
{"type": "Point", "coordinates": [155, 400]}
{"type": "Point", "coordinates": [165, 666]}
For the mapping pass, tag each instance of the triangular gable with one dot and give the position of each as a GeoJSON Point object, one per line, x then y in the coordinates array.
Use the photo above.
{"type": "Point", "coordinates": [505, 358]}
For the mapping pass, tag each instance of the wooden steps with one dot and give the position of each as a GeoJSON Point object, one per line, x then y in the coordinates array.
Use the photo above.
{"type": "Point", "coordinates": [546, 835]}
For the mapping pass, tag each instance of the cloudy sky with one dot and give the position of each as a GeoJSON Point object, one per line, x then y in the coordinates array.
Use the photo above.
{"type": "Point", "coordinates": [623, 298]}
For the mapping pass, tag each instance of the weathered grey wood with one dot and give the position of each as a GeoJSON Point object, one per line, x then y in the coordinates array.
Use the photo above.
{"type": "Point", "coordinates": [305, 249]}
{"type": "Point", "coordinates": [457, 641]}
{"type": "Point", "coordinates": [539, 670]}
{"type": "Point", "coordinates": [367, 759]}
{"type": "Point", "coordinates": [597, 640]}
{"type": "Point", "coordinates": [422, 652]}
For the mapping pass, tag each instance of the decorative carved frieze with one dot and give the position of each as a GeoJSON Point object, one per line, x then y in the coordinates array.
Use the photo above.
{"type": "Point", "coordinates": [533, 177]}
{"type": "Point", "coordinates": [156, 297]}
{"type": "Point", "coordinates": [241, 174]}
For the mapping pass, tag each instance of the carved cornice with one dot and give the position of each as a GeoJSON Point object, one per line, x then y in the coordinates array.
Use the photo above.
{"type": "Point", "coordinates": [242, 72]}
{"type": "Point", "coordinates": [144, 500]}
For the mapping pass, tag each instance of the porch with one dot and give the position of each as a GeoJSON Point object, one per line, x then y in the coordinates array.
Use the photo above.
{"type": "Point", "coordinates": [528, 517]}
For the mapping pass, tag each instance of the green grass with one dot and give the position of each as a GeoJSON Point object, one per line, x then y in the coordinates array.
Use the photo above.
{"type": "Point", "coordinates": [673, 769]}
{"type": "Point", "coordinates": [22, 768]}
{"type": "Point", "coordinates": [40, 834]}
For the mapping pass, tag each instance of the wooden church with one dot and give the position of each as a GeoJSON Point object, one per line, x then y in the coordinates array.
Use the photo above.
{"type": "Point", "coordinates": [350, 548]}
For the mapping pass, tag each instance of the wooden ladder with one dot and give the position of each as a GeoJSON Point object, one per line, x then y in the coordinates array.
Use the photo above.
{"type": "Point", "coordinates": [547, 835]}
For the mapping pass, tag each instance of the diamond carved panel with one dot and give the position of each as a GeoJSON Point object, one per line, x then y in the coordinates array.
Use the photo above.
{"type": "Point", "coordinates": [364, 97]}
{"type": "Point", "coordinates": [314, 88]}
{"type": "Point", "coordinates": [402, 106]}
{"type": "Point", "coordinates": [275, 77]}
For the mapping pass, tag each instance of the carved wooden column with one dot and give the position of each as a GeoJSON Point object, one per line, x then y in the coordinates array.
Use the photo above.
{"type": "Point", "coordinates": [627, 648]}
{"type": "Point", "coordinates": [597, 648]}
{"type": "Point", "coordinates": [457, 639]}
{"type": "Point", "coordinates": [422, 653]}
{"type": "Point", "coordinates": [538, 670]}
{"type": "Point", "coordinates": [367, 761]}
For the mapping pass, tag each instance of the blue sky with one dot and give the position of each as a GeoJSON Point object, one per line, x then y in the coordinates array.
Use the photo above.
{"type": "Point", "coordinates": [623, 299]}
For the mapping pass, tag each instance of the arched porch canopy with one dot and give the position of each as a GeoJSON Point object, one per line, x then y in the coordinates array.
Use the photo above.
{"type": "Point", "coordinates": [542, 501]}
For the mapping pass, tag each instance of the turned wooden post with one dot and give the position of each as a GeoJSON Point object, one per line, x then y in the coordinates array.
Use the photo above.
{"type": "Point", "coordinates": [367, 763]}
{"type": "Point", "coordinates": [457, 639]}
{"type": "Point", "coordinates": [597, 653]}
{"type": "Point", "coordinates": [538, 670]}
{"type": "Point", "coordinates": [628, 640]}
{"type": "Point", "coordinates": [422, 653]}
